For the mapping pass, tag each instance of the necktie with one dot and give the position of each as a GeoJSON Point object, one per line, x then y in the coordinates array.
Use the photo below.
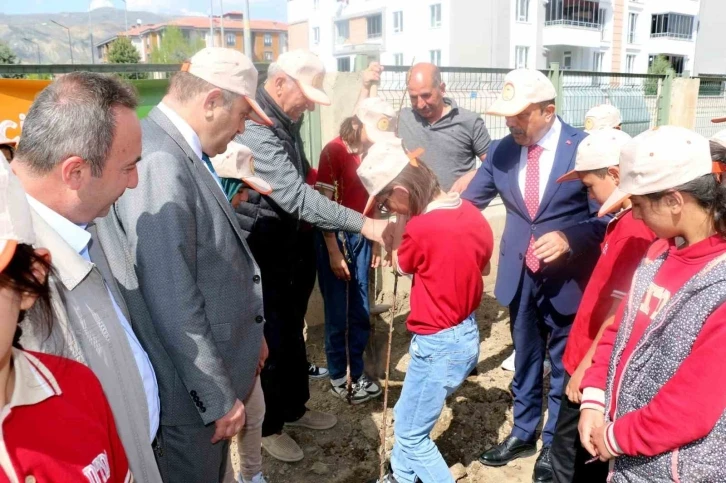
{"type": "Point", "coordinates": [531, 198]}
{"type": "Point", "coordinates": [210, 167]}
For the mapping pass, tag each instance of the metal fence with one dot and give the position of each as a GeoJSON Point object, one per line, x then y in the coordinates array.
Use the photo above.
{"type": "Point", "coordinates": [475, 89]}
{"type": "Point", "coordinates": [711, 103]}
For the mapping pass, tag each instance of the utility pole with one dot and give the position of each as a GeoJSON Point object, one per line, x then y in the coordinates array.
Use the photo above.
{"type": "Point", "coordinates": [211, 23]}
{"type": "Point", "coordinates": [90, 30]}
{"type": "Point", "coordinates": [126, 16]}
{"type": "Point", "coordinates": [248, 34]}
{"type": "Point", "coordinates": [221, 23]}
{"type": "Point", "coordinates": [70, 42]}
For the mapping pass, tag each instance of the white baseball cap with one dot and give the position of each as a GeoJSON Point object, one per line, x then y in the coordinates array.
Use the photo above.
{"type": "Point", "coordinates": [237, 162]}
{"type": "Point", "coordinates": [384, 161]}
{"type": "Point", "coordinates": [231, 70]}
{"type": "Point", "coordinates": [603, 116]}
{"type": "Point", "coordinates": [308, 71]}
{"type": "Point", "coordinates": [719, 137]}
{"type": "Point", "coordinates": [522, 87]}
{"type": "Point", "coordinates": [378, 117]}
{"type": "Point", "coordinates": [601, 149]}
{"type": "Point", "coordinates": [660, 159]}
{"type": "Point", "coordinates": [16, 225]}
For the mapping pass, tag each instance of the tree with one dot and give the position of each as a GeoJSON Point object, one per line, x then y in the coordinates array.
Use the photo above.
{"type": "Point", "coordinates": [7, 56]}
{"type": "Point", "coordinates": [122, 51]}
{"type": "Point", "coordinates": [175, 47]}
{"type": "Point", "coordinates": [660, 66]}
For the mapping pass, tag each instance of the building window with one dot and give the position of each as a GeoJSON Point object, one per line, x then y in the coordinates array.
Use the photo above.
{"type": "Point", "coordinates": [397, 59]}
{"type": "Point", "coordinates": [268, 40]}
{"type": "Point", "coordinates": [522, 10]}
{"type": "Point", "coordinates": [435, 15]}
{"type": "Point", "coordinates": [597, 60]}
{"type": "Point", "coordinates": [632, 25]}
{"type": "Point", "coordinates": [520, 57]}
{"type": "Point", "coordinates": [678, 62]}
{"type": "Point", "coordinates": [268, 56]}
{"type": "Point", "coordinates": [342, 31]}
{"type": "Point", "coordinates": [578, 13]}
{"type": "Point", "coordinates": [601, 21]}
{"type": "Point", "coordinates": [316, 35]}
{"type": "Point", "coordinates": [672, 25]}
{"type": "Point", "coordinates": [343, 64]}
{"type": "Point", "coordinates": [630, 64]}
{"type": "Point", "coordinates": [398, 21]}
{"type": "Point", "coordinates": [567, 60]}
{"type": "Point", "coordinates": [435, 56]}
{"type": "Point", "coordinates": [375, 26]}
{"type": "Point", "coordinates": [231, 39]}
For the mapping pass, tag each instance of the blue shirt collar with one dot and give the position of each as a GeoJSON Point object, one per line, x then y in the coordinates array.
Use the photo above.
{"type": "Point", "coordinates": [75, 235]}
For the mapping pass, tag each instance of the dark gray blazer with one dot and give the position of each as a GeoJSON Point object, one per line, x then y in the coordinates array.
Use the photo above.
{"type": "Point", "coordinates": [197, 306]}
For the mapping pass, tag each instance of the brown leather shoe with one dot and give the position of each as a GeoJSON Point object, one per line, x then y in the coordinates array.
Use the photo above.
{"type": "Point", "coordinates": [315, 420]}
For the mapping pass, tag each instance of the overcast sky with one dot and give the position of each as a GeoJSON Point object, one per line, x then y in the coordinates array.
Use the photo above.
{"type": "Point", "coordinates": [259, 9]}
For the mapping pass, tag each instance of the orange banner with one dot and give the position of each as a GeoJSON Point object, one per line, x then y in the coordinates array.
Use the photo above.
{"type": "Point", "coordinates": [16, 96]}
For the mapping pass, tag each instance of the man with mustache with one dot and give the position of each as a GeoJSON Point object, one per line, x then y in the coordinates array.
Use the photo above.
{"type": "Point", "coordinates": [548, 250]}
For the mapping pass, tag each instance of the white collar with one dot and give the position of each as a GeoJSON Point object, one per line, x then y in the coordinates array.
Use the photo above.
{"type": "Point", "coordinates": [34, 382]}
{"type": "Point", "coordinates": [450, 202]}
{"type": "Point", "coordinates": [76, 236]}
{"type": "Point", "coordinates": [550, 140]}
{"type": "Point", "coordinates": [189, 135]}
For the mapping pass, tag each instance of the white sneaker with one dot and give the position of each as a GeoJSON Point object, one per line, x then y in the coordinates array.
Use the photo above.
{"type": "Point", "coordinates": [508, 364]}
{"type": "Point", "coordinates": [370, 387]}
{"type": "Point", "coordinates": [258, 478]}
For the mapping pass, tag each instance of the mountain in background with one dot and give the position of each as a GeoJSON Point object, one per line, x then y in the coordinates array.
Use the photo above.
{"type": "Point", "coordinates": [53, 40]}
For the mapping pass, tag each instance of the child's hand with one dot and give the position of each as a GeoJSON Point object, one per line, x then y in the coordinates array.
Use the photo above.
{"type": "Point", "coordinates": [376, 258]}
{"type": "Point", "coordinates": [338, 265]}
{"type": "Point", "coordinates": [589, 420]}
{"type": "Point", "coordinates": [598, 440]}
{"type": "Point", "coordinates": [573, 387]}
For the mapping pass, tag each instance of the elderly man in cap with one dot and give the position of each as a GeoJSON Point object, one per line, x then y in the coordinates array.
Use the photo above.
{"type": "Point", "coordinates": [603, 116]}
{"type": "Point", "coordinates": [204, 325]}
{"type": "Point", "coordinates": [547, 252]}
{"type": "Point", "coordinates": [80, 145]}
{"type": "Point", "coordinates": [453, 138]}
{"type": "Point", "coordinates": [283, 242]}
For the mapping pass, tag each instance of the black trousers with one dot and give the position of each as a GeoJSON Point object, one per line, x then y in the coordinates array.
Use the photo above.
{"type": "Point", "coordinates": [568, 455]}
{"type": "Point", "coordinates": [287, 264]}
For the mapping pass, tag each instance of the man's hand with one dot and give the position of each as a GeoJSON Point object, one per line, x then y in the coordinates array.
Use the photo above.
{"type": "Point", "coordinates": [373, 229]}
{"type": "Point", "coordinates": [573, 387]}
{"type": "Point", "coordinates": [598, 441]}
{"type": "Point", "coordinates": [376, 255]}
{"type": "Point", "coordinates": [264, 353]}
{"type": "Point", "coordinates": [551, 246]}
{"type": "Point", "coordinates": [231, 423]}
{"type": "Point", "coordinates": [589, 420]}
{"type": "Point", "coordinates": [372, 75]}
{"type": "Point", "coordinates": [462, 183]}
{"type": "Point", "coordinates": [338, 264]}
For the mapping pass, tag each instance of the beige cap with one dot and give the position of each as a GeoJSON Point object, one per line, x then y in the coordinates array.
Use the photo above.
{"type": "Point", "coordinates": [385, 160]}
{"type": "Point", "coordinates": [660, 159]}
{"type": "Point", "coordinates": [308, 71]}
{"type": "Point", "coordinates": [522, 87]}
{"type": "Point", "coordinates": [16, 225]}
{"type": "Point", "coordinates": [719, 137]}
{"type": "Point", "coordinates": [237, 162]}
{"type": "Point", "coordinates": [603, 116]}
{"type": "Point", "coordinates": [378, 117]}
{"type": "Point", "coordinates": [231, 70]}
{"type": "Point", "coordinates": [601, 149]}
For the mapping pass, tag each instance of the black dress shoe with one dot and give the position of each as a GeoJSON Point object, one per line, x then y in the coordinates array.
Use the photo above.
{"type": "Point", "coordinates": [508, 450]}
{"type": "Point", "coordinates": [543, 467]}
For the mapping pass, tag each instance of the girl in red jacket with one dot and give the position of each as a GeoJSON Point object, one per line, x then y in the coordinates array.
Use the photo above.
{"type": "Point", "coordinates": [56, 423]}
{"type": "Point", "coordinates": [653, 403]}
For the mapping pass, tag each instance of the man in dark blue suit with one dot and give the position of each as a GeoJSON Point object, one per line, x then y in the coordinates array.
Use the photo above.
{"type": "Point", "coordinates": [547, 252]}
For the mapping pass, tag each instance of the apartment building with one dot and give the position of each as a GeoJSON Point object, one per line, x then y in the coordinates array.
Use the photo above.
{"type": "Point", "coordinates": [269, 38]}
{"type": "Point", "coordinates": [604, 35]}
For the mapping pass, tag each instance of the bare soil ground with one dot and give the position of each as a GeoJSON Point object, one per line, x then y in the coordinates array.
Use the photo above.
{"type": "Point", "coordinates": [476, 416]}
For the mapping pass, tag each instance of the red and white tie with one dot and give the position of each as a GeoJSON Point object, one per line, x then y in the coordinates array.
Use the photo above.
{"type": "Point", "coordinates": [531, 198]}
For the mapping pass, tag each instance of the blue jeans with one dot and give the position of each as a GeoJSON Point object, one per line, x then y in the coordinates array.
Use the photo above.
{"type": "Point", "coordinates": [346, 303]}
{"type": "Point", "coordinates": [439, 364]}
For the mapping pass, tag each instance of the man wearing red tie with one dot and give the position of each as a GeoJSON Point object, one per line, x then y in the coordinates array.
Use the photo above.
{"type": "Point", "coordinates": [547, 252]}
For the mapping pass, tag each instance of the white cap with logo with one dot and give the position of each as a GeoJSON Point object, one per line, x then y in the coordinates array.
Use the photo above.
{"type": "Point", "coordinates": [660, 159]}
{"type": "Point", "coordinates": [603, 116]}
{"type": "Point", "coordinates": [231, 70]}
{"type": "Point", "coordinates": [237, 162]}
{"type": "Point", "coordinates": [16, 225]}
{"type": "Point", "coordinates": [383, 163]}
{"type": "Point", "coordinates": [522, 87]}
{"type": "Point", "coordinates": [601, 149]}
{"type": "Point", "coordinates": [378, 117]}
{"type": "Point", "coordinates": [308, 71]}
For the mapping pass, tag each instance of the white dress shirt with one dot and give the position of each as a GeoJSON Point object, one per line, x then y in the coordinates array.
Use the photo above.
{"type": "Point", "coordinates": [549, 143]}
{"type": "Point", "coordinates": [78, 238]}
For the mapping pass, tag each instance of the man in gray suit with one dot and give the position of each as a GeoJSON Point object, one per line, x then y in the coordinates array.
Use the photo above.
{"type": "Point", "coordinates": [81, 142]}
{"type": "Point", "coordinates": [201, 285]}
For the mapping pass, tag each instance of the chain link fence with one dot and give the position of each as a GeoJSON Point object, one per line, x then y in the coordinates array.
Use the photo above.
{"type": "Point", "coordinates": [711, 104]}
{"type": "Point", "coordinates": [476, 89]}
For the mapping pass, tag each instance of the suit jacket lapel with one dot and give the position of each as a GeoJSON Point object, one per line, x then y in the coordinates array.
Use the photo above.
{"type": "Point", "coordinates": [513, 154]}
{"type": "Point", "coordinates": [564, 162]}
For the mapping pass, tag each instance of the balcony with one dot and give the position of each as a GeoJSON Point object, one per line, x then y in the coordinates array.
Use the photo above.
{"type": "Point", "coordinates": [573, 22]}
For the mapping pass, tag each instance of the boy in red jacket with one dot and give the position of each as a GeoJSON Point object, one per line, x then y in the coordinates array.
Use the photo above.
{"type": "Point", "coordinates": [626, 241]}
